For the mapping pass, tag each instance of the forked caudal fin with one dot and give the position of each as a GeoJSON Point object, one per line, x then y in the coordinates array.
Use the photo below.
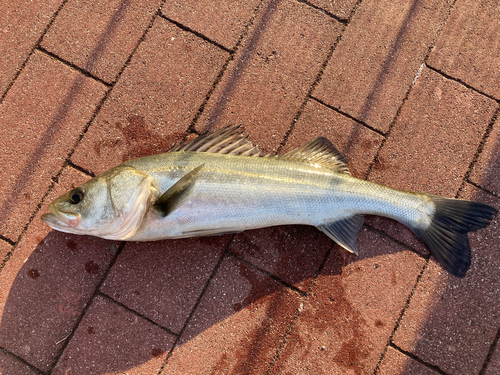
{"type": "Point", "coordinates": [446, 236]}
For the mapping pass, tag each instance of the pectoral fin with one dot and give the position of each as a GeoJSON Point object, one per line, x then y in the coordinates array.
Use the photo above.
{"type": "Point", "coordinates": [166, 203]}
{"type": "Point", "coordinates": [344, 231]}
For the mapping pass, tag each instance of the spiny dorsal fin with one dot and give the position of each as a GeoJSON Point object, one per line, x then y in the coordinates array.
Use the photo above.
{"type": "Point", "coordinates": [320, 151]}
{"type": "Point", "coordinates": [166, 203]}
{"type": "Point", "coordinates": [228, 140]}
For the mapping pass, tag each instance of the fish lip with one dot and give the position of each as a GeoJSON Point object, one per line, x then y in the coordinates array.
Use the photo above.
{"type": "Point", "coordinates": [61, 218]}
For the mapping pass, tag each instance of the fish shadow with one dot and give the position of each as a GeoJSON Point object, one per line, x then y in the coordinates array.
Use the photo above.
{"type": "Point", "coordinates": [104, 306]}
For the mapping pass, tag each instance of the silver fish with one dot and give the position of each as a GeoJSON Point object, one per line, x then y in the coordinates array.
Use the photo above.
{"type": "Point", "coordinates": [219, 183]}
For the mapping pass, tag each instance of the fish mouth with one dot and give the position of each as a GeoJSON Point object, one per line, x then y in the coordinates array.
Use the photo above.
{"type": "Point", "coordinates": [61, 220]}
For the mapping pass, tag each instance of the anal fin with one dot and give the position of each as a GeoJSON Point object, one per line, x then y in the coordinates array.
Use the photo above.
{"type": "Point", "coordinates": [344, 231]}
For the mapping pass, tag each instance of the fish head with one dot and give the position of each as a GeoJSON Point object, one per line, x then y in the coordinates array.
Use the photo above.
{"type": "Point", "coordinates": [111, 205]}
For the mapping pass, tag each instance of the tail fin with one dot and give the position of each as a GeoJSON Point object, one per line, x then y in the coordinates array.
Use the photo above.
{"type": "Point", "coordinates": [446, 236]}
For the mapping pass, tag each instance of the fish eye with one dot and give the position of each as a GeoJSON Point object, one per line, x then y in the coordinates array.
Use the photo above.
{"type": "Point", "coordinates": [76, 195]}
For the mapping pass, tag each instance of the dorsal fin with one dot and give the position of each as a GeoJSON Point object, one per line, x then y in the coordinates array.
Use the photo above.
{"type": "Point", "coordinates": [320, 151]}
{"type": "Point", "coordinates": [228, 140]}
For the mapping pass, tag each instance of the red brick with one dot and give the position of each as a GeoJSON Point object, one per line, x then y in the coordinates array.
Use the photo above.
{"type": "Point", "coordinates": [435, 137]}
{"type": "Point", "coordinates": [155, 100]}
{"type": "Point", "coordinates": [99, 36]}
{"type": "Point", "coordinates": [47, 283]}
{"type": "Point", "coordinates": [270, 76]}
{"type": "Point", "coordinates": [111, 339]}
{"type": "Point", "coordinates": [486, 172]}
{"type": "Point", "coordinates": [238, 326]}
{"type": "Point", "coordinates": [352, 310]}
{"type": "Point", "coordinates": [468, 47]}
{"type": "Point", "coordinates": [339, 8]}
{"type": "Point", "coordinates": [452, 322]}
{"type": "Point", "coordinates": [493, 367]}
{"type": "Point", "coordinates": [292, 253]}
{"type": "Point", "coordinates": [40, 120]}
{"type": "Point", "coordinates": [223, 23]}
{"type": "Point", "coordinates": [163, 279]}
{"type": "Point", "coordinates": [22, 24]}
{"type": "Point", "coordinates": [378, 57]}
{"type": "Point", "coordinates": [397, 231]}
{"type": "Point", "coordinates": [357, 143]}
{"type": "Point", "coordinates": [10, 365]}
{"type": "Point", "coordinates": [395, 362]}
{"type": "Point", "coordinates": [5, 248]}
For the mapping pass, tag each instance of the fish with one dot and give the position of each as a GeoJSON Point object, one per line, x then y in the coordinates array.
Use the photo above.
{"type": "Point", "coordinates": [220, 183]}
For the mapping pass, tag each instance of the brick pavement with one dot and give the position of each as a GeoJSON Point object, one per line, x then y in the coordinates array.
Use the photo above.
{"type": "Point", "coordinates": [407, 90]}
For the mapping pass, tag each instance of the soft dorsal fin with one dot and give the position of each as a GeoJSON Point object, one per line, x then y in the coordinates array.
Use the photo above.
{"type": "Point", "coordinates": [167, 202]}
{"type": "Point", "coordinates": [320, 151]}
{"type": "Point", "coordinates": [228, 140]}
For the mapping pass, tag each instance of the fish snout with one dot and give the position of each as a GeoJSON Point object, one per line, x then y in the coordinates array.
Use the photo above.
{"type": "Point", "coordinates": [57, 218]}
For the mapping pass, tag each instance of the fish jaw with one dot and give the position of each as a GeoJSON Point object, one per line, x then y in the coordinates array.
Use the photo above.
{"type": "Point", "coordinates": [63, 221]}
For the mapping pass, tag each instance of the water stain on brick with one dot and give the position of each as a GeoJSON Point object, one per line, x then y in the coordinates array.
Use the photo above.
{"type": "Point", "coordinates": [33, 273]}
{"type": "Point", "coordinates": [91, 330]}
{"type": "Point", "coordinates": [99, 145]}
{"type": "Point", "coordinates": [71, 245]}
{"type": "Point", "coordinates": [379, 323]}
{"type": "Point", "coordinates": [330, 311]}
{"type": "Point", "coordinates": [91, 267]}
{"type": "Point", "coordinates": [141, 141]}
{"type": "Point", "coordinates": [379, 164]}
{"type": "Point", "coordinates": [156, 352]}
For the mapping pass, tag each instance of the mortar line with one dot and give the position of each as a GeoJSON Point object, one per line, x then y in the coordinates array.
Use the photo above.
{"type": "Point", "coordinates": [454, 79]}
{"type": "Point", "coordinates": [401, 315]}
{"type": "Point", "coordinates": [218, 79]}
{"type": "Point", "coordinates": [478, 152]}
{"type": "Point", "coordinates": [22, 360]}
{"type": "Point", "coordinates": [196, 33]}
{"type": "Point", "coordinates": [268, 274]}
{"type": "Point", "coordinates": [424, 63]}
{"type": "Point", "coordinates": [80, 169]}
{"type": "Point", "coordinates": [197, 303]}
{"type": "Point", "coordinates": [72, 66]}
{"type": "Point", "coordinates": [36, 44]}
{"type": "Point", "coordinates": [417, 359]}
{"type": "Point", "coordinates": [405, 98]}
{"type": "Point", "coordinates": [487, 360]}
{"type": "Point", "coordinates": [86, 307]}
{"type": "Point", "coordinates": [311, 89]}
{"type": "Point", "coordinates": [142, 316]}
{"type": "Point", "coordinates": [400, 243]}
{"type": "Point", "coordinates": [336, 18]}
{"type": "Point", "coordinates": [345, 114]}
{"type": "Point", "coordinates": [483, 189]}
{"type": "Point", "coordinates": [8, 240]}
{"type": "Point", "coordinates": [317, 80]}
{"type": "Point", "coordinates": [300, 309]}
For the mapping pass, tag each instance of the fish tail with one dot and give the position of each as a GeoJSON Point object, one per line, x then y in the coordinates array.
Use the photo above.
{"type": "Point", "coordinates": [446, 235]}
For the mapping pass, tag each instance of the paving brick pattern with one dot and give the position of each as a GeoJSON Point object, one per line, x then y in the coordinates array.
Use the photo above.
{"type": "Point", "coordinates": [407, 90]}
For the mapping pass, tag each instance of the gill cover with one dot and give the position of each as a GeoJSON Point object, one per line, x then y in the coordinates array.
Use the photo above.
{"type": "Point", "coordinates": [129, 190]}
